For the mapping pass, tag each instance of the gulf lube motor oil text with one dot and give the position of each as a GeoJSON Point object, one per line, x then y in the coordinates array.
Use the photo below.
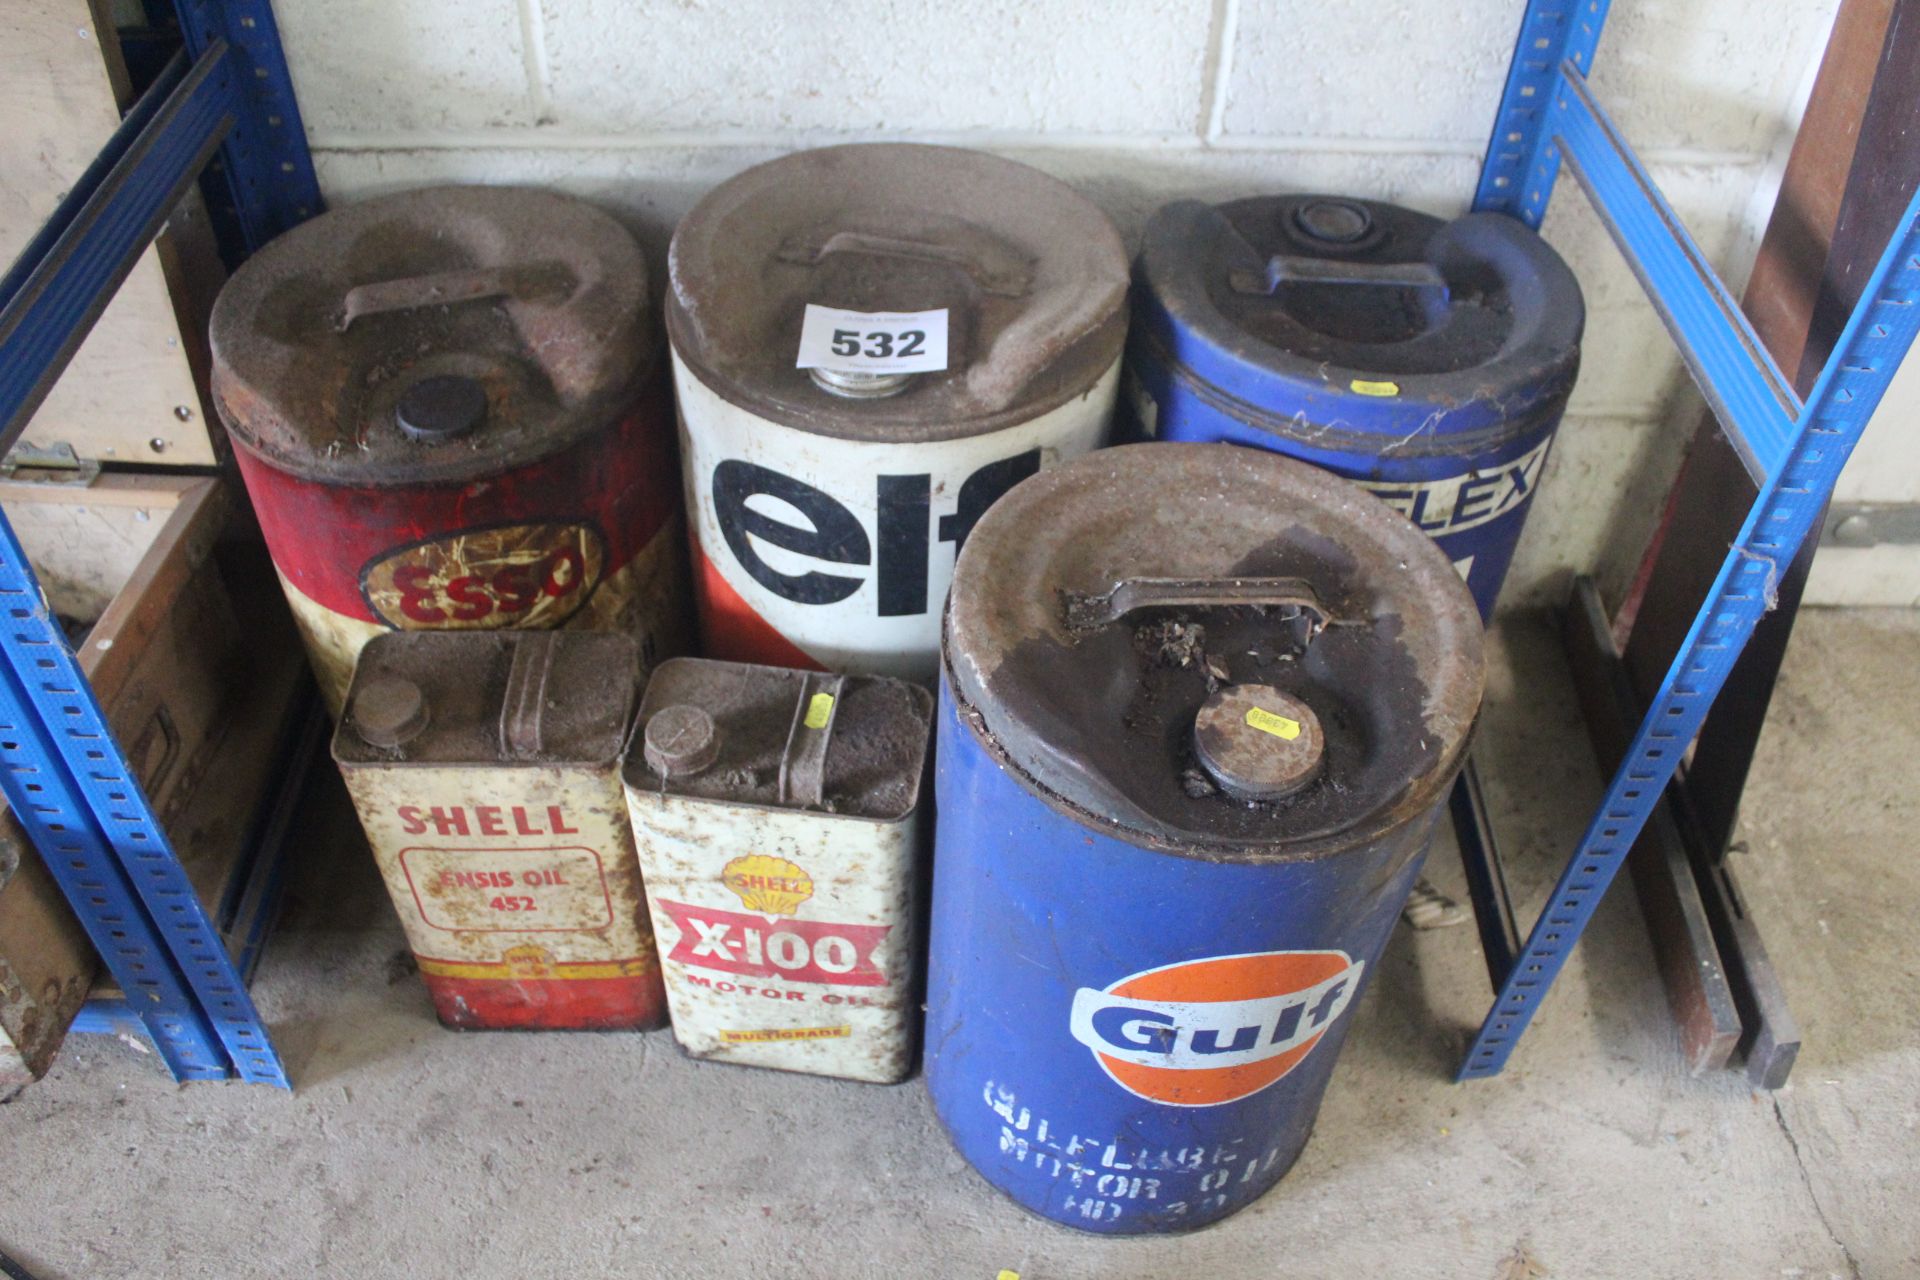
{"type": "Point", "coordinates": [1428, 361]}
{"type": "Point", "coordinates": [450, 413]}
{"type": "Point", "coordinates": [870, 345]}
{"type": "Point", "coordinates": [1190, 755]}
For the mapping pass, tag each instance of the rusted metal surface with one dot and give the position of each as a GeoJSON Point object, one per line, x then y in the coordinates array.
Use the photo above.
{"type": "Point", "coordinates": [1033, 275]}
{"type": "Point", "coordinates": [448, 408]}
{"type": "Point", "coordinates": [891, 469]}
{"type": "Point", "coordinates": [486, 771]}
{"type": "Point", "coordinates": [778, 816]}
{"type": "Point", "coordinates": [1097, 719]}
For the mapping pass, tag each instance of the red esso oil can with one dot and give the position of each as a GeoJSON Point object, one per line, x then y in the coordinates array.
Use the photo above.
{"type": "Point", "coordinates": [485, 767]}
{"type": "Point", "coordinates": [781, 834]}
{"type": "Point", "coordinates": [448, 409]}
{"type": "Point", "coordinates": [870, 345]}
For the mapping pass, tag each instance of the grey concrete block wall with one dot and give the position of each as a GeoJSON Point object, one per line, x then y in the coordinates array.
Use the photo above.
{"type": "Point", "coordinates": [642, 105]}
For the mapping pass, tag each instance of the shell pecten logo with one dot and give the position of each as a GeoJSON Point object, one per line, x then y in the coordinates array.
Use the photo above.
{"type": "Point", "coordinates": [1204, 1032]}
{"type": "Point", "coordinates": [769, 885]}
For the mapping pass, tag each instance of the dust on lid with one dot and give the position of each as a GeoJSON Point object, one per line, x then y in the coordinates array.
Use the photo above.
{"type": "Point", "coordinates": [490, 698]}
{"type": "Point", "coordinates": [769, 737]}
{"type": "Point", "coordinates": [1033, 278]}
{"type": "Point", "coordinates": [1330, 290]}
{"type": "Point", "coordinates": [432, 336]}
{"type": "Point", "coordinates": [1100, 607]}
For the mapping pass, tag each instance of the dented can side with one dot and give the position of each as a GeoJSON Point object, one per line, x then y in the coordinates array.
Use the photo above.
{"type": "Point", "coordinates": [515, 876]}
{"type": "Point", "coordinates": [782, 842]}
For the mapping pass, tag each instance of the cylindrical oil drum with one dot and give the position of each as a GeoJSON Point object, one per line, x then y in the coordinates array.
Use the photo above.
{"type": "Point", "coordinates": [870, 345]}
{"type": "Point", "coordinates": [449, 410]}
{"type": "Point", "coordinates": [1200, 706]}
{"type": "Point", "coordinates": [1428, 361]}
{"type": "Point", "coordinates": [486, 770]}
{"type": "Point", "coordinates": [779, 820]}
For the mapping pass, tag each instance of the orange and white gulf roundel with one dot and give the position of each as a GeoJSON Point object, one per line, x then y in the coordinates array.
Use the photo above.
{"type": "Point", "coordinates": [1204, 1032]}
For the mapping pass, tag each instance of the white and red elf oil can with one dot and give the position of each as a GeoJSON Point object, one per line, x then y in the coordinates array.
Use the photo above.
{"type": "Point", "coordinates": [778, 819]}
{"type": "Point", "coordinates": [870, 345]}
{"type": "Point", "coordinates": [449, 411]}
{"type": "Point", "coordinates": [485, 767]}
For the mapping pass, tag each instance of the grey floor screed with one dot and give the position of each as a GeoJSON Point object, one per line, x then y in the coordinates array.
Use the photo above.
{"type": "Point", "coordinates": [412, 1151]}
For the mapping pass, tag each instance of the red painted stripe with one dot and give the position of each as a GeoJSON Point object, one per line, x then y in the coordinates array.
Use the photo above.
{"type": "Point", "coordinates": [549, 1004]}
{"type": "Point", "coordinates": [732, 631]}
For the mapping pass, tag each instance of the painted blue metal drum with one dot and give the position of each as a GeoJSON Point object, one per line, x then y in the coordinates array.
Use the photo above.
{"type": "Point", "coordinates": [1199, 709]}
{"type": "Point", "coordinates": [1428, 361]}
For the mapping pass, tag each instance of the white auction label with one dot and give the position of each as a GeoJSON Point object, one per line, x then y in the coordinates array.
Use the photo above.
{"type": "Point", "coordinates": [873, 341]}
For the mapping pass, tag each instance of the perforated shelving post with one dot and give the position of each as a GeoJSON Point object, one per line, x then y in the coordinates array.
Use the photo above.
{"type": "Point", "coordinates": [1794, 451]}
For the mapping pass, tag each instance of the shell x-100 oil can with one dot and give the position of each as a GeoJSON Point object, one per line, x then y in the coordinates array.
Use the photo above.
{"type": "Point", "coordinates": [486, 770]}
{"type": "Point", "coordinates": [778, 818]}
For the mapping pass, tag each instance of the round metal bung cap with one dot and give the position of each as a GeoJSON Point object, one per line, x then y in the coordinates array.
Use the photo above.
{"type": "Point", "coordinates": [440, 408]}
{"type": "Point", "coordinates": [1258, 743]}
{"type": "Point", "coordinates": [681, 740]}
{"type": "Point", "coordinates": [1335, 221]}
{"type": "Point", "coordinates": [388, 711]}
{"type": "Point", "coordinates": [855, 385]}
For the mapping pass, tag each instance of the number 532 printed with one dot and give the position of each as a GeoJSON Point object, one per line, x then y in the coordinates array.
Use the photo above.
{"type": "Point", "coordinates": [873, 341]}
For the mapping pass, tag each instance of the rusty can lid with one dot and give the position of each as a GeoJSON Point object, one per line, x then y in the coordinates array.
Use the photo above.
{"type": "Point", "coordinates": [350, 349]}
{"type": "Point", "coordinates": [1032, 275]}
{"type": "Point", "coordinates": [769, 737]}
{"type": "Point", "coordinates": [1216, 651]}
{"type": "Point", "coordinates": [496, 697]}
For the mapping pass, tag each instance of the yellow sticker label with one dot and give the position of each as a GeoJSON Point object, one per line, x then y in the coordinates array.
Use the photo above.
{"type": "Point", "coordinates": [1278, 726]}
{"type": "Point", "coordinates": [1364, 388]}
{"type": "Point", "coordinates": [819, 711]}
{"type": "Point", "coordinates": [1008, 1275]}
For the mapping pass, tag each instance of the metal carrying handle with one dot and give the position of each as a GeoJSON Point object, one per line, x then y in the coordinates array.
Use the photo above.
{"type": "Point", "coordinates": [803, 763]}
{"type": "Point", "coordinates": [1288, 269]}
{"type": "Point", "coordinates": [525, 702]}
{"type": "Point", "coordinates": [548, 281]}
{"type": "Point", "coordinates": [1130, 595]}
{"type": "Point", "coordinates": [998, 272]}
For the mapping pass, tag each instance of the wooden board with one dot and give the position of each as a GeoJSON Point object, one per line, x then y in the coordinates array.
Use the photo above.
{"type": "Point", "coordinates": [132, 392]}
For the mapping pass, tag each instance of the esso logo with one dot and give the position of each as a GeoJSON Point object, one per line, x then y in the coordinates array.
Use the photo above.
{"type": "Point", "coordinates": [527, 576]}
{"type": "Point", "coordinates": [1203, 1032]}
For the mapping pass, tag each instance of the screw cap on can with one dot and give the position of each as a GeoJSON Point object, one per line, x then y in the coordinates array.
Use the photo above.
{"type": "Point", "coordinates": [852, 384]}
{"type": "Point", "coordinates": [1258, 743]}
{"type": "Point", "coordinates": [440, 408]}
{"type": "Point", "coordinates": [1334, 221]}
{"type": "Point", "coordinates": [388, 711]}
{"type": "Point", "coordinates": [681, 740]}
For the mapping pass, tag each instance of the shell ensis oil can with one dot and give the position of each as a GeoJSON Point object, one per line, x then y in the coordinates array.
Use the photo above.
{"type": "Point", "coordinates": [1189, 763]}
{"type": "Point", "coordinates": [485, 767]}
{"type": "Point", "coordinates": [871, 344]}
{"type": "Point", "coordinates": [450, 412]}
{"type": "Point", "coordinates": [778, 817]}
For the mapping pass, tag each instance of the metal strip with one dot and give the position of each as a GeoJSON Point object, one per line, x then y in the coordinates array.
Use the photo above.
{"type": "Point", "coordinates": [1486, 873]}
{"type": "Point", "coordinates": [1876, 338]}
{"type": "Point", "coordinates": [100, 230]}
{"type": "Point", "coordinates": [264, 166]}
{"type": "Point", "coordinates": [1517, 175]}
{"type": "Point", "coordinates": [1747, 392]}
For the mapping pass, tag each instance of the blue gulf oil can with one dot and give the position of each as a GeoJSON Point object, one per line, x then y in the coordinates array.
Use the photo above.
{"type": "Point", "coordinates": [1428, 361]}
{"type": "Point", "coordinates": [1199, 708]}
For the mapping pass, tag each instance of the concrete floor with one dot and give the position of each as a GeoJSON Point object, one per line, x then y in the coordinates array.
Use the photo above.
{"type": "Point", "coordinates": [409, 1150]}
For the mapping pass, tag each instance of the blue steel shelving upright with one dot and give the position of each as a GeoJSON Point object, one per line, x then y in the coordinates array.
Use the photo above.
{"type": "Point", "coordinates": [1793, 450]}
{"type": "Point", "coordinates": [225, 98]}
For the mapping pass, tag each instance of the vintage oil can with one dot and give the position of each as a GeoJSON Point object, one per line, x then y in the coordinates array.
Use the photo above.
{"type": "Point", "coordinates": [450, 412]}
{"type": "Point", "coordinates": [870, 345]}
{"type": "Point", "coordinates": [779, 822]}
{"type": "Point", "coordinates": [1190, 758]}
{"type": "Point", "coordinates": [1427, 361]}
{"type": "Point", "coordinates": [485, 767]}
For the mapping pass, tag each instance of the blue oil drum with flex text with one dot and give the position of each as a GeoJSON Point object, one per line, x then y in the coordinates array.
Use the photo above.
{"type": "Point", "coordinates": [1428, 361]}
{"type": "Point", "coordinates": [1199, 708]}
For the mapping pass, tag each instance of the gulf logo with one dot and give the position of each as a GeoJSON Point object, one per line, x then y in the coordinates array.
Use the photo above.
{"type": "Point", "coordinates": [1205, 1032]}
